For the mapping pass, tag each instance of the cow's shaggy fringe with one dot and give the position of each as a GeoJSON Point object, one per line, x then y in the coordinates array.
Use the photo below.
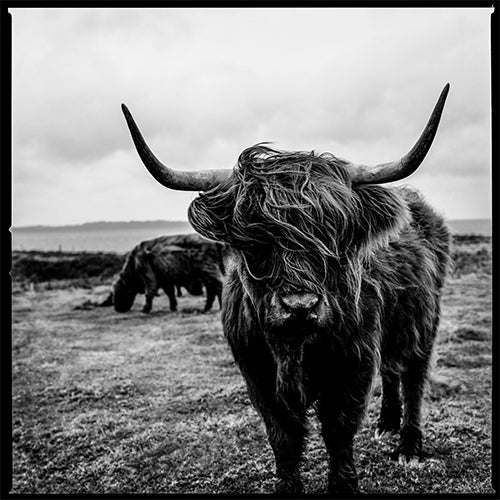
{"type": "Point", "coordinates": [304, 204]}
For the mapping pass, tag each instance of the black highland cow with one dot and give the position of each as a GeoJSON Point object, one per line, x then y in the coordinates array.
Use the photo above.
{"type": "Point", "coordinates": [169, 262]}
{"type": "Point", "coordinates": [330, 277]}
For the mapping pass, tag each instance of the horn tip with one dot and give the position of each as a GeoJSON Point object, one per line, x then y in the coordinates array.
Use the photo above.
{"type": "Point", "coordinates": [125, 109]}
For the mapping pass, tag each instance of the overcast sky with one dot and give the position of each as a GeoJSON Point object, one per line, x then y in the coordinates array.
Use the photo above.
{"type": "Point", "coordinates": [204, 84]}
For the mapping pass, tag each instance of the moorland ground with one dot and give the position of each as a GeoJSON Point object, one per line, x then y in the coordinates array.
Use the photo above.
{"type": "Point", "coordinates": [132, 403]}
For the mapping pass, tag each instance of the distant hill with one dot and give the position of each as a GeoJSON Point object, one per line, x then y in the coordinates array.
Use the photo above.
{"type": "Point", "coordinates": [169, 226]}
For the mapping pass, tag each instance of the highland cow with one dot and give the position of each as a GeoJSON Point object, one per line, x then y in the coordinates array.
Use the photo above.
{"type": "Point", "coordinates": [330, 277]}
{"type": "Point", "coordinates": [163, 263]}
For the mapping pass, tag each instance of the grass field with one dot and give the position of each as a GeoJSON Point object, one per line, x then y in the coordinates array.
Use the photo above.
{"type": "Point", "coordinates": [131, 403]}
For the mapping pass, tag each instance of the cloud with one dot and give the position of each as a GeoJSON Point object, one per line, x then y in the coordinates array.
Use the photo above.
{"type": "Point", "coordinates": [203, 84]}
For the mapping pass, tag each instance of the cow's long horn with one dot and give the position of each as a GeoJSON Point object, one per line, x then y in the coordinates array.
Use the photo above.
{"type": "Point", "coordinates": [202, 180]}
{"type": "Point", "coordinates": [394, 171]}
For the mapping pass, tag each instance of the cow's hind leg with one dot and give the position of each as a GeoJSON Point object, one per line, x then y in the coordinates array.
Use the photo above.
{"type": "Point", "coordinates": [390, 412]}
{"type": "Point", "coordinates": [170, 292]}
{"type": "Point", "coordinates": [413, 382]}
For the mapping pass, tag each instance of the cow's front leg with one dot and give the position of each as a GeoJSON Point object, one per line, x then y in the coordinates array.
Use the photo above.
{"type": "Point", "coordinates": [210, 299]}
{"type": "Point", "coordinates": [148, 304]}
{"type": "Point", "coordinates": [340, 407]}
{"type": "Point", "coordinates": [338, 430]}
{"type": "Point", "coordinates": [286, 438]}
{"type": "Point", "coordinates": [214, 289]}
{"type": "Point", "coordinates": [284, 418]}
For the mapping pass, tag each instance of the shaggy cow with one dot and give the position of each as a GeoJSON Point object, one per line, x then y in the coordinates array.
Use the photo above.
{"type": "Point", "coordinates": [163, 263]}
{"type": "Point", "coordinates": [330, 276]}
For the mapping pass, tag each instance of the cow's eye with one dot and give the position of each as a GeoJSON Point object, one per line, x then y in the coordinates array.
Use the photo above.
{"type": "Point", "coordinates": [259, 263]}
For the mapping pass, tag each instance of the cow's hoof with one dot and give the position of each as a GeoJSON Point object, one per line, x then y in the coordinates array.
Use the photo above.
{"type": "Point", "coordinates": [387, 425]}
{"type": "Point", "coordinates": [409, 451]}
{"type": "Point", "coordinates": [146, 310]}
{"type": "Point", "coordinates": [288, 487]}
{"type": "Point", "coordinates": [407, 454]}
{"type": "Point", "coordinates": [343, 486]}
{"type": "Point", "coordinates": [409, 461]}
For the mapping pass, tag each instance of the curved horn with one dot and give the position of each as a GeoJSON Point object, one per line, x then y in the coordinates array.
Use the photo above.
{"type": "Point", "coordinates": [203, 180]}
{"type": "Point", "coordinates": [394, 171]}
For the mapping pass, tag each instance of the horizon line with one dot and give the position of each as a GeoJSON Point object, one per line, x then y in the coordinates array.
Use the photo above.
{"type": "Point", "coordinates": [164, 221]}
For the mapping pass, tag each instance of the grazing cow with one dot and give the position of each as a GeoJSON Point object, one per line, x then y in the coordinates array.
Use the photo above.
{"type": "Point", "coordinates": [330, 276]}
{"type": "Point", "coordinates": [163, 263]}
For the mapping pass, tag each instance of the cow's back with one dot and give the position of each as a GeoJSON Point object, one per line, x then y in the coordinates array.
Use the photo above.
{"type": "Point", "coordinates": [179, 240]}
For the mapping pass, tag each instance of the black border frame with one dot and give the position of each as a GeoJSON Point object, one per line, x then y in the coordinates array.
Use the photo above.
{"type": "Point", "coordinates": [6, 210]}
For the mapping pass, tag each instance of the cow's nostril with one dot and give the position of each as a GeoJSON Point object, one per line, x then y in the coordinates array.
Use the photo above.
{"type": "Point", "coordinates": [300, 302]}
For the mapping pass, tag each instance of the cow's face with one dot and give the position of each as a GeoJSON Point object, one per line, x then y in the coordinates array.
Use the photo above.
{"type": "Point", "coordinates": [299, 229]}
{"type": "Point", "coordinates": [123, 296]}
{"type": "Point", "coordinates": [290, 313]}
{"type": "Point", "coordinates": [128, 285]}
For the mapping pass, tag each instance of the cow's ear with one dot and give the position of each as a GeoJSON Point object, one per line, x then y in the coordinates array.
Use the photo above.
{"type": "Point", "coordinates": [142, 258]}
{"type": "Point", "coordinates": [211, 214]}
{"type": "Point", "coordinates": [382, 212]}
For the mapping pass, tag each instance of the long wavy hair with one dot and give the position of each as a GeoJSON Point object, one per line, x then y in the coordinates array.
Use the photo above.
{"type": "Point", "coordinates": [295, 217]}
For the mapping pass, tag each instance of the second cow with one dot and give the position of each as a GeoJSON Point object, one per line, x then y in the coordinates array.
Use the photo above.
{"type": "Point", "coordinates": [169, 262]}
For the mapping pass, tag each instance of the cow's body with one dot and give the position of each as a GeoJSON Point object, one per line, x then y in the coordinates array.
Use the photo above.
{"type": "Point", "coordinates": [397, 322]}
{"type": "Point", "coordinates": [330, 276]}
{"type": "Point", "coordinates": [168, 263]}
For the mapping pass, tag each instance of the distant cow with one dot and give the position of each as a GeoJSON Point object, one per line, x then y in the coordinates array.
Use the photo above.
{"type": "Point", "coordinates": [330, 276]}
{"type": "Point", "coordinates": [163, 263]}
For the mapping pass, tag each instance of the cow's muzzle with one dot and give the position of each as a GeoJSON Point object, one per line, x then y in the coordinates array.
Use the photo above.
{"type": "Point", "coordinates": [296, 310]}
{"type": "Point", "coordinates": [291, 320]}
{"type": "Point", "coordinates": [299, 305]}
